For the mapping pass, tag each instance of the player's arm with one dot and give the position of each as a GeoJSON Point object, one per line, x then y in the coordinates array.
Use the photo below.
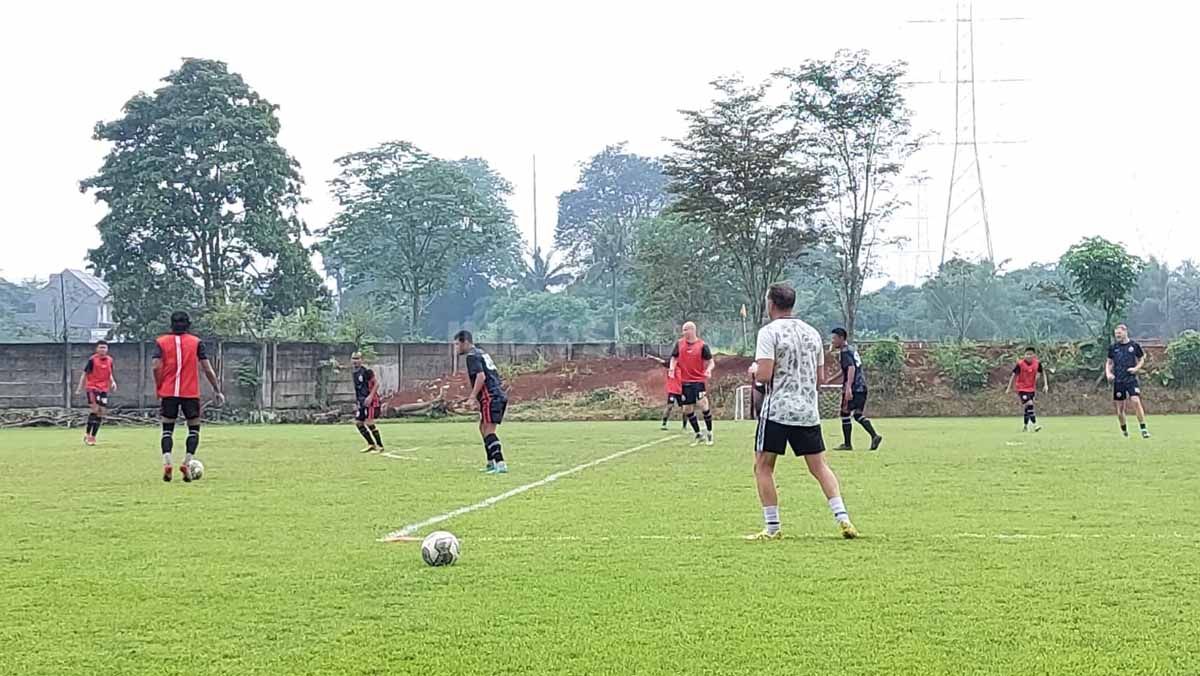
{"type": "Point", "coordinates": [764, 358]}
{"type": "Point", "coordinates": [710, 364]}
{"type": "Point", "coordinates": [373, 394]}
{"type": "Point", "coordinates": [1045, 378]}
{"type": "Point", "coordinates": [209, 373]}
{"type": "Point", "coordinates": [112, 378]}
{"type": "Point", "coordinates": [1011, 379]}
{"type": "Point", "coordinates": [674, 361]}
{"type": "Point", "coordinates": [1141, 362]}
{"type": "Point", "coordinates": [1108, 369]}
{"type": "Point", "coordinates": [87, 368]}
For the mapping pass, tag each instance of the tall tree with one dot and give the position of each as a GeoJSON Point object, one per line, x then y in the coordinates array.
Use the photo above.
{"type": "Point", "coordinates": [1102, 274]}
{"type": "Point", "coordinates": [738, 181]}
{"type": "Point", "coordinates": [679, 278]}
{"type": "Point", "coordinates": [408, 219]}
{"type": "Point", "coordinates": [854, 122]}
{"type": "Point", "coordinates": [198, 190]}
{"type": "Point", "coordinates": [543, 274]}
{"type": "Point", "coordinates": [597, 221]}
{"type": "Point", "coordinates": [960, 293]}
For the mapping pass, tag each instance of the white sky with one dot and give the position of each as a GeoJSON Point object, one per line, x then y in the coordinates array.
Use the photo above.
{"type": "Point", "coordinates": [1108, 112]}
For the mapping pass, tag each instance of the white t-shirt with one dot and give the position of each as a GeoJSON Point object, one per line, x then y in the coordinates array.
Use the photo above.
{"type": "Point", "coordinates": [799, 354]}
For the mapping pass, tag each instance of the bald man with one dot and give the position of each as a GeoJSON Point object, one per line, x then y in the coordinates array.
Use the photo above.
{"type": "Point", "coordinates": [692, 363]}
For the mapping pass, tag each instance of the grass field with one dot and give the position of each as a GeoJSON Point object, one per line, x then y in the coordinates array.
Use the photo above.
{"type": "Point", "coordinates": [984, 551]}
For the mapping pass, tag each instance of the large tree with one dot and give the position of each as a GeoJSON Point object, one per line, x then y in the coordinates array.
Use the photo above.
{"type": "Point", "coordinates": [854, 122]}
{"type": "Point", "coordinates": [409, 219]}
{"type": "Point", "coordinates": [201, 196]}
{"type": "Point", "coordinates": [1102, 274]}
{"type": "Point", "coordinates": [738, 180]}
{"type": "Point", "coordinates": [960, 294]}
{"type": "Point", "coordinates": [668, 296]}
{"type": "Point", "coordinates": [597, 221]}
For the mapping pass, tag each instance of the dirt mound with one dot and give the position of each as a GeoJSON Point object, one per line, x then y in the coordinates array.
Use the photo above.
{"type": "Point", "coordinates": [567, 378]}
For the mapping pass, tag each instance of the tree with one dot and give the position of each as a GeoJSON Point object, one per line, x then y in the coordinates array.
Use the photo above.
{"type": "Point", "coordinates": [408, 219]}
{"type": "Point", "coordinates": [542, 273]}
{"type": "Point", "coordinates": [737, 180]}
{"type": "Point", "coordinates": [198, 191]}
{"type": "Point", "coordinates": [959, 292]}
{"type": "Point", "coordinates": [538, 317]}
{"type": "Point", "coordinates": [597, 221]}
{"type": "Point", "coordinates": [292, 283]}
{"type": "Point", "coordinates": [1102, 274]}
{"type": "Point", "coordinates": [664, 295]}
{"type": "Point", "coordinates": [854, 122]}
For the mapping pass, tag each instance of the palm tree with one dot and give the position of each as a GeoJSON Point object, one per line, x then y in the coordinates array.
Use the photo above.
{"type": "Point", "coordinates": [542, 274]}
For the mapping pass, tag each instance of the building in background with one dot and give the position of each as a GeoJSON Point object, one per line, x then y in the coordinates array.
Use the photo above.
{"type": "Point", "coordinates": [74, 298]}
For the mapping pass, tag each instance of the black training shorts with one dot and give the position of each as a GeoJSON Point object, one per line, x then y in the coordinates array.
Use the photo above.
{"type": "Point", "coordinates": [171, 406]}
{"type": "Point", "coordinates": [775, 438]}
{"type": "Point", "coordinates": [1126, 390]}
{"type": "Point", "coordinates": [98, 397]}
{"type": "Point", "coordinates": [366, 412]}
{"type": "Point", "coordinates": [858, 402]}
{"type": "Point", "coordinates": [692, 393]}
{"type": "Point", "coordinates": [1027, 397]}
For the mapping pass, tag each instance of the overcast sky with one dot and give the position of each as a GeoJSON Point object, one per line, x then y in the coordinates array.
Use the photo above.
{"type": "Point", "coordinates": [1107, 115]}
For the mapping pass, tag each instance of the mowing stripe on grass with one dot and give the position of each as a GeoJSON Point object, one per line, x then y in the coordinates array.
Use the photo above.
{"type": "Point", "coordinates": [412, 528]}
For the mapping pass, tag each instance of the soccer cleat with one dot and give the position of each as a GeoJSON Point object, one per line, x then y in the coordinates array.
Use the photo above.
{"type": "Point", "coordinates": [89, 440]}
{"type": "Point", "coordinates": [1037, 428]}
{"type": "Point", "coordinates": [876, 441]}
{"type": "Point", "coordinates": [764, 535]}
{"type": "Point", "coordinates": [708, 440]}
{"type": "Point", "coordinates": [489, 468]}
{"type": "Point", "coordinates": [849, 532]}
{"type": "Point", "coordinates": [1145, 434]}
{"type": "Point", "coordinates": [186, 473]}
{"type": "Point", "coordinates": [844, 447]}
{"type": "Point", "coordinates": [1125, 433]}
{"type": "Point", "coordinates": [368, 449]}
{"type": "Point", "coordinates": [664, 427]}
{"type": "Point", "coordinates": [501, 469]}
{"type": "Point", "coordinates": [697, 441]}
{"type": "Point", "coordinates": [1025, 428]}
{"type": "Point", "coordinates": [167, 473]}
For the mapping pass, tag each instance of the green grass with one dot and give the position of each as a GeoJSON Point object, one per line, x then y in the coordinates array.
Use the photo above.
{"type": "Point", "coordinates": [271, 564]}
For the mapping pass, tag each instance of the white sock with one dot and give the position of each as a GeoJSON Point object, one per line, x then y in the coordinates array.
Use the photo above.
{"type": "Point", "coordinates": [188, 458]}
{"type": "Point", "coordinates": [771, 517]}
{"type": "Point", "coordinates": [167, 459]}
{"type": "Point", "coordinates": [839, 509]}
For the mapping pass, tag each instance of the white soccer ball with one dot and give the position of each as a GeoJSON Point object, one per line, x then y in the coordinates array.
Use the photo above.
{"type": "Point", "coordinates": [196, 469]}
{"type": "Point", "coordinates": [440, 549]}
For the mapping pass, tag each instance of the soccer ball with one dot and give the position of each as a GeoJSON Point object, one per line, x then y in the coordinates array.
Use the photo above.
{"type": "Point", "coordinates": [440, 549]}
{"type": "Point", "coordinates": [196, 469]}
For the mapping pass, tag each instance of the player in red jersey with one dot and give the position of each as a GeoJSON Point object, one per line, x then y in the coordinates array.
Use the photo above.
{"type": "Point", "coordinates": [1025, 375]}
{"type": "Point", "coordinates": [692, 362]}
{"type": "Point", "coordinates": [97, 378]}
{"type": "Point", "coordinates": [178, 359]}
{"type": "Point", "coordinates": [674, 389]}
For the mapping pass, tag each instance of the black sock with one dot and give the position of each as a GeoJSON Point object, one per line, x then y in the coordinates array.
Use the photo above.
{"type": "Point", "coordinates": [193, 439]}
{"type": "Point", "coordinates": [847, 429]}
{"type": "Point", "coordinates": [1124, 428]}
{"type": "Point", "coordinates": [685, 421]}
{"type": "Point", "coordinates": [90, 423]}
{"type": "Point", "coordinates": [1142, 425]}
{"type": "Point", "coordinates": [168, 436]}
{"type": "Point", "coordinates": [375, 434]}
{"type": "Point", "coordinates": [708, 420]}
{"type": "Point", "coordinates": [492, 443]}
{"type": "Point", "coordinates": [866, 425]}
{"type": "Point", "coordinates": [1032, 416]}
{"type": "Point", "coordinates": [1025, 419]}
{"type": "Point", "coordinates": [96, 425]}
{"type": "Point", "coordinates": [366, 434]}
{"type": "Point", "coordinates": [694, 423]}
{"type": "Point", "coordinates": [666, 416]}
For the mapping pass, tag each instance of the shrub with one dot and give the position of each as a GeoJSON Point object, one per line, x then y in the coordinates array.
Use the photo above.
{"type": "Point", "coordinates": [1183, 358]}
{"type": "Point", "coordinates": [962, 365]}
{"type": "Point", "coordinates": [885, 358]}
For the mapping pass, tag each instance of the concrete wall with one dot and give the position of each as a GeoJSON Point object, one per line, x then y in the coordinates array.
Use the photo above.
{"type": "Point", "coordinates": [289, 375]}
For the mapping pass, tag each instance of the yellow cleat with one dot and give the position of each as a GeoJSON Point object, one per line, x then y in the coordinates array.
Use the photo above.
{"type": "Point", "coordinates": [368, 449]}
{"type": "Point", "coordinates": [765, 535]}
{"type": "Point", "coordinates": [848, 530]}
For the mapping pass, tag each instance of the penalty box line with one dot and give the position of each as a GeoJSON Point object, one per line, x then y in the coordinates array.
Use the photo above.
{"type": "Point", "coordinates": [409, 530]}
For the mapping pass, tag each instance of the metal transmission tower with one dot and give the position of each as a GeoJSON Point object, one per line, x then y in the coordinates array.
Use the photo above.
{"type": "Point", "coordinates": [966, 201]}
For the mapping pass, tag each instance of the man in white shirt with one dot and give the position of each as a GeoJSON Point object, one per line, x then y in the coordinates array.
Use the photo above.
{"type": "Point", "coordinates": [787, 360]}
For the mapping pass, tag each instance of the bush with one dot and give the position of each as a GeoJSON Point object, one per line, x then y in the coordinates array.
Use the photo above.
{"type": "Point", "coordinates": [885, 358]}
{"type": "Point", "coordinates": [1183, 358]}
{"type": "Point", "coordinates": [962, 365]}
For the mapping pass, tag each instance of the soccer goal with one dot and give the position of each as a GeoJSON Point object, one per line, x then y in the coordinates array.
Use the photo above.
{"type": "Point", "coordinates": [829, 399]}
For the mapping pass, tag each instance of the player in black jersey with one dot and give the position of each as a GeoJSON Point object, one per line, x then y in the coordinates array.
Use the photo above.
{"type": "Point", "coordinates": [487, 390]}
{"type": "Point", "coordinates": [854, 392]}
{"type": "Point", "coordinates": [1125, 361]}
{"type": "Point", "coordinates": [366, 391]}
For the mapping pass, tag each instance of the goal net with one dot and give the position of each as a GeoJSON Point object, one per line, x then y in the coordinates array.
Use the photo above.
{"type": "Point", "coordinates": [829, 399]}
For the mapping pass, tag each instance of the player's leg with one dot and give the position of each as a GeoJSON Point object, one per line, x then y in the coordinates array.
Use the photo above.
{"type": "Point", "coordinates": [101, 412]}
{"type": "Point", "coordinates": [170, 413]}
{"type": "Point", "coordinates": [191, 411]}
{"type": "Point", "coordinates": [667, 412]}
{"type": "Point", "coordinates": [824, 475]}
{"type": "Point", "coordinates": [858, 408]}
{"type": "Point", "coordinates": [769, 444]}
{"type": "Point", "coordinates": [1024, 404]}
{"type": "Point", "coordinates": [706, 410]}
{"type": "Point", "coordinates": [491, 443]}
{"type": "Point", "coordinates": [1031, 411]}
{"type": "Point", "coordinates": [360, 421]}
{"type": "Point", "coordinates": [1140, 411]}
{"type": "Point", "coordinates": [373, 429]}
{"type": "Point", "coordinates": [689, 410]}
{"type": "Point", "coordinates": [847, 428]}
{"type": "Point", "coordinates": [89, 434]}
{"type": "Point", "coordinates": [1119, 403]}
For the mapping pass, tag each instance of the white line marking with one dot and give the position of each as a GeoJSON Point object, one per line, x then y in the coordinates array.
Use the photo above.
{"type": "Point", "coordinates": [833, 535]}
{"type": "Point", "coordinates": [467, 509]}
{"type": "Point", "coordinates": [403, 457]}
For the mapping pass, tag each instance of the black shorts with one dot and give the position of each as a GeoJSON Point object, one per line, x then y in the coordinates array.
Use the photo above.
{"type": "Point", "coordinates": [1027, 397]}
{"type": "Point", "coordinates": [492, 409]}
{"type": "Point", "coordinates": [858, 402]}
{"type": "Point", "coordinates": [775, 438]}
{"type": "Point", "coordinates": [674, 400]}
{"type": "Point", "coordinates": [692, 393]}
{"type": "Point", "coordinates": [98, 397]}
{"type": "Point", "coordinates": [366, 412]}
{"type": "Point", "coordinates": [1126, 390]}
{"type": "Point", "coordinates": [171, 406]}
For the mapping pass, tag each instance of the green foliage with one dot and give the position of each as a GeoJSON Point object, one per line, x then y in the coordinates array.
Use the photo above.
{"type": "Point", "coordinates": [960, 292]}
{"type": "Point", "coordinates": [518, 316]}
{"type": "Point", "coordinates": [680, 275]}
{"type": "Point", "coordinates": [409, 219]}
{"type": "Point", "coordinates": [962, 365]}
{"type": "Point", "coordinates": [1183, 359]}
{"type": "Point", "coordinates": [885, 361]}
{"type": "Point", "coordinates": [199, 193]}
{"type": "Point", "coordinates": [1103, 274]}
{"type": "Point", "coordinates": [510, 370]}
{"type": "Point", "coordinates": [541, 273]}
{"type": "Point", "coordinates": [248, 377]}
{"type": "Point", "coordinates": [856, 127]}
{"type": "Point", "coordinates": [739, 183]}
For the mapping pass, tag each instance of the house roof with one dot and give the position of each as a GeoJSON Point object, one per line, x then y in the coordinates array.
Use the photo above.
{"type": "Point", "coordinates": [90, 281]}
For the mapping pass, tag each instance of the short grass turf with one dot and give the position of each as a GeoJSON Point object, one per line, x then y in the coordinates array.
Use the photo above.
{"type": "Point", "coordinates": [984, 551]}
